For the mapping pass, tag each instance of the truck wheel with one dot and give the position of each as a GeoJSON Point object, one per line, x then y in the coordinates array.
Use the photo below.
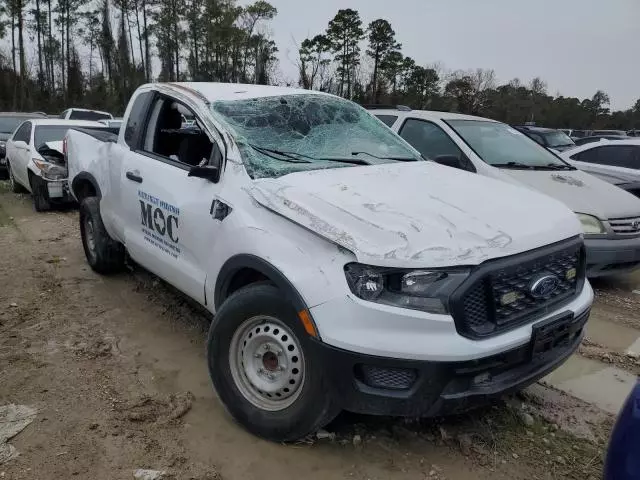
{"type": "Point", "coordinates": [104, 254]}
{"type": "Point", "coordinates": [262, 368]}
{"type": "Point", "coordinates": [15, 186]}
{"type": "Point", "coordinates": [40, 197]}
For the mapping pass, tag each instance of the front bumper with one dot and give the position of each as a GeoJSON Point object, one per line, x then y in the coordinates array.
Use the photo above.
{"type": "Point", "coordinates": [385, 386]}
{"type": "Point", "coordinates": [612, 256]}
{"type": "Point", "coordinates": [55, 191]}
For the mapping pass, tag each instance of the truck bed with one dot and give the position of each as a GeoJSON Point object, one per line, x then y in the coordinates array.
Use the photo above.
{"type": "Point", "coordinates": [104, 134]}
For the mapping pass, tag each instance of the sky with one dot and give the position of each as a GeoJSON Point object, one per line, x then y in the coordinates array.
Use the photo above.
{"type": "Point", "coordinates": [575, 46]}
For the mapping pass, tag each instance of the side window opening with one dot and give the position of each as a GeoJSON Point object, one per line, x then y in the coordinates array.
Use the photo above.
{"type": "Point", "coordinates": [587, 156]}
{"type": "Point", "coordinates": [175, 133]}
{"type": "Point", "coordinates": [23, 133]}
{"type": "Point", "coordinates": [388, 120]}
{"type": "Point", "coordinates": [429, 139]}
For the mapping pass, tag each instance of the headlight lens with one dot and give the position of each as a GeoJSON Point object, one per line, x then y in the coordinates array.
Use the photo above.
{"type": "Point", "coordinates": [425, 290]}
{"type": "Point", "coordinates": [50, 171]}
{"type": "Point", "coordinates": [590, 224]}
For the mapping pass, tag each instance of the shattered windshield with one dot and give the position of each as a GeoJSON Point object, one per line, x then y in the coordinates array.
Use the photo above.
{"type": "Point", "coordinates": [292, 133]}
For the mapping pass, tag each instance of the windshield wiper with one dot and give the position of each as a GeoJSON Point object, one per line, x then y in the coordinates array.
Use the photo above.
{"type": "Point", "coordinates": [284, 156]}
{"type": "Point", "coordinates": [294, 157]}
{"type": "Point", "coordinates": [558, 166]}
{"type": "Point", "coordinates": [512, 165]}
{"type": "Point", "coordinates": [399, 159]}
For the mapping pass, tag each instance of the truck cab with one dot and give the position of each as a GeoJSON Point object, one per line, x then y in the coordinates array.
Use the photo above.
{"type": "Point", "coordinates": [341, 270]}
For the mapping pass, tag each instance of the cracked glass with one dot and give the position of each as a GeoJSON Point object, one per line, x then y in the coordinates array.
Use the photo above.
{"type": "Point", "coordinates": [292, 133]}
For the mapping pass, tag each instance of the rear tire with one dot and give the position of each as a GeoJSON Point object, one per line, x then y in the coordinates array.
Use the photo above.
{"type": "Point", "coordinates": [263, 369]}
{"type": "Point", "coordinates": [104, 254]}
{"type": "Point", "coordinates": [15, 186]}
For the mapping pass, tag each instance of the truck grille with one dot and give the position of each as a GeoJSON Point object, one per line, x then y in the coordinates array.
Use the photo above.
{"type": "Point", "coordinates": [498, 296]}
{"type": "Point", "coordinates": [625, 226]}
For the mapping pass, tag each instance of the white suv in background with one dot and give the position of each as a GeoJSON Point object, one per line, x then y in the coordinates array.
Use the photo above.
{"type": "Point", "coordinates": [610, 216]}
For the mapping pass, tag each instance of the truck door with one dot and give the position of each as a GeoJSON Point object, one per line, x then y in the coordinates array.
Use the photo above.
{"type": "Point", "coordinates": [168, 226]}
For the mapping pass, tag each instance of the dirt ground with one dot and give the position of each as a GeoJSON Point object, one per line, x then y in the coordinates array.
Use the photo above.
{"type": "Point", "coordinates": [115, 367]}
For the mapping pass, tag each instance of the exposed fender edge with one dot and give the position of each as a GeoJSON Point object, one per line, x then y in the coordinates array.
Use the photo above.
{"type": "Point", "coordinates": [238, 262]}
{"type": "Point", "coordinates": [85, 176]}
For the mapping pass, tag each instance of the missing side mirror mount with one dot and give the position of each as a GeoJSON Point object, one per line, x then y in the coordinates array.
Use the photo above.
{"type": "Point", "coordinates": [210, 173]}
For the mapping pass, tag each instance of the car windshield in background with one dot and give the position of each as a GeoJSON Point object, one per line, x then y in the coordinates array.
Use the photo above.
{"type": "Point", "coordinates": [9, 124]}
{"type": "Point", "coordinates": [619, 133]}
{"type": "Point", "coordinates": [558, 139]}
{"type": "Point", "coordinates": [49, 133]}
{"type": "Point", "coordinates": [83, 115]}
{"type": "Point", "coordinates": [500, 145]}
{"type": "Point", "coordinates": [291, 133]}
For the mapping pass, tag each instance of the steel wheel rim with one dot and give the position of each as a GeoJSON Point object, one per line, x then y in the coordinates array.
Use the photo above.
{"type": "Point", "coordinates": [267, 363]}
{"type": "Point", "coordinates": [90, 237]}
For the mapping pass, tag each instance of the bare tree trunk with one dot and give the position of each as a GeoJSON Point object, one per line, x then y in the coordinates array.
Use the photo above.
{"type": "Point", "coordinates": [23, 56]}
{"type": "Point", "coordinates": [177, 42]}
{"type": "Point", "coordinates": [133, 57]}
{"type": "Point", "coordinates": [62, 56]}
{"type": "Point", "coordinates": [68, 25]}
{"type": "Point", "coordinates": [38, 33]}
{"type": "Point", "coordinates": [13, 54]}
{"type": "Point", "coordinates": [147, 55]}
{"type": "Point", "coordinates": [50, 35]}
{"type": "Point", "coordinates": [142, 57]}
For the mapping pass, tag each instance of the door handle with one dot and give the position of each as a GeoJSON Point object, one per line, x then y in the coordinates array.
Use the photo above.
{"type": "Point", "coordinates": [134, 177]}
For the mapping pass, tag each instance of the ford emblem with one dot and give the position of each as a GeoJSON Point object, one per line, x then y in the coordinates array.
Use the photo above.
{"type": "Point", "coordinates": [544, 286]}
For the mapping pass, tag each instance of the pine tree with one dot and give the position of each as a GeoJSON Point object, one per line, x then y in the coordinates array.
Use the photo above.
{"type": "Point", "coordinates": [345, 32]}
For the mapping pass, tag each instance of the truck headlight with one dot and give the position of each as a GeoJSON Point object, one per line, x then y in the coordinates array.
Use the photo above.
{"type": "Point", "coordinates": [427, 290]}
{"type": "Point", "coordinates": [590, 224]}
{"type": "Point", "coordinates": [50, 171]}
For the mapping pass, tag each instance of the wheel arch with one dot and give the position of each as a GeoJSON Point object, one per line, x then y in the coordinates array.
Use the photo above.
{"type": "Point", "coordinates": [85, 185]}
{"type": "Point", "coordinates": [243, 264]}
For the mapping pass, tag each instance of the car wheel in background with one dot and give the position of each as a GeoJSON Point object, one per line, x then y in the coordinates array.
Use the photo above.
{"type": "Point", "coordinates": [104, 254]}
{"type": "Point", "coordinates": [15, 186]}
{"type": "Point", "coordinates": [39, 194]}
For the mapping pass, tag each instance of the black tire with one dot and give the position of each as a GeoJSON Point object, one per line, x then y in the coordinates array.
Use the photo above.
{"type": "Point", "coordinates": [15, 186]}
{"type": "Point", "coordinates": [311, 410]}
{"type": "Point", "coordinates": [104, 254]}
{"type": "Point", "coordinates": [39, 194]}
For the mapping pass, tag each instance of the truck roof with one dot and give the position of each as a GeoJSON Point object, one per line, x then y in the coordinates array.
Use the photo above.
{"type": "Point", "coordinates": [213, 91]}
{"type": "Point", "coordinates": [59, 121]}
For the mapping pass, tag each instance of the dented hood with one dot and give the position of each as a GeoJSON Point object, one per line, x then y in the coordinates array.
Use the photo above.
{"type": "Point", "coordinates": [417, 214]}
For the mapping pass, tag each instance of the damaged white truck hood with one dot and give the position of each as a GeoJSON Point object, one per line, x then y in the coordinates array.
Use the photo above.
{"type": "Point", "coordinates": [417, 214]}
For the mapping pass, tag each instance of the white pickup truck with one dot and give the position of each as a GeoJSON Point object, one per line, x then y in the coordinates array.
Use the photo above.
{"type": "Point", "coordinates": [343, 271]}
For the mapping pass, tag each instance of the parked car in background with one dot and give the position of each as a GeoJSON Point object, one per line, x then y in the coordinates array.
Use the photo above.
{"type": "Point", "coordinates": [573, 134]}
{"type": "Point", "coordinates": [597, 138]}
{"type": "Point", "coordinates": [615, 161]}
{"type": "Point", "coordinates": [333, 287]}
{"type": "Point", "coordinates": [616, 133]}
{"type": "Point", "coordinates": [115, 123]}
{"type": "Point", "coordinates": [36, 161]}
{"type": "Point", "coordinates": [9, 121]}
{"type": "Point", "coordinates": [85, 114]}
{"type": "Point", "coordinates": [609, 215]}
{"type": "Point", "coordinates": [548, 137]}
{"type": "Point", "coordinates": [634, 133]}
